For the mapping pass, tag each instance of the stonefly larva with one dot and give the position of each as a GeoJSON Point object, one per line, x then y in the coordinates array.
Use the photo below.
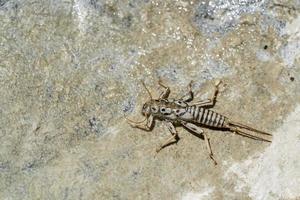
{"type": "Point", "coordinates": [191, 115]}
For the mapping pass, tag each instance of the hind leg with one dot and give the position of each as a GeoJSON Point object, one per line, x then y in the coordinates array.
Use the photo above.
{"type": "Point", "coordinates": [199, 131]}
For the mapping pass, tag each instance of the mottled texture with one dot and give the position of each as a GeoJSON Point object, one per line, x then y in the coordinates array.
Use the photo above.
{"type": "Point", "coordinates": [70, 70]}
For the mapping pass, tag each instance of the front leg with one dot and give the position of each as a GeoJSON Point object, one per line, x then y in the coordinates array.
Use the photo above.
{"type": "Point", "coordinates": [190, 95]}
{"type": "Point", "coordinates": [166, 92]}
{"type": "Point", "coordinates": [170, 140]}
{"type": "Point", "coordinates": [211, 101]}
{"type": "Point", "coordinates": [199, 131]}
{"type": "Point", "coordinates": [146, 127]}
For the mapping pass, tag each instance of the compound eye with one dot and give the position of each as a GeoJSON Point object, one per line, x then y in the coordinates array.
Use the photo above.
{"type": "Point", "coordinates": [144, 106]}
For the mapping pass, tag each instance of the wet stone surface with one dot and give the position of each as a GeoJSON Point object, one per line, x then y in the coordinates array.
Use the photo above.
{"type": "Point", "coordinates": [71, 70]}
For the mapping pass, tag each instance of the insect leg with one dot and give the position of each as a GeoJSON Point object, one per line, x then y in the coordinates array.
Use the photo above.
{"type": "Point", "coordinates": [211, 101]}
{"type": "Point", "coordinates": [199, 131]}
{"type": "Point", "coordinates": [190, 95]}
{"type": "Point", "coordinates": [170, 140]}
{"type": "Point", "coordinates": [147, 126]}
{"type": "Point", "coordinates": [166, 91]}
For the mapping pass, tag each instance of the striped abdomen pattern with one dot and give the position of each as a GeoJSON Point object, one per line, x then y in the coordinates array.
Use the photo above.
{"type": "Point", "coordinates": [207, 117]}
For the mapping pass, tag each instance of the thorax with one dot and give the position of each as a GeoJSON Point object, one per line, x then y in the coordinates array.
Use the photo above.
{"type": "Point", "coordinates": [170, 109]}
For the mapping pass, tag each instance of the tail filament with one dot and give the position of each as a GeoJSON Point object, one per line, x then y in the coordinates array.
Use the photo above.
{"type": "Point", "coordinates": [249, 132]}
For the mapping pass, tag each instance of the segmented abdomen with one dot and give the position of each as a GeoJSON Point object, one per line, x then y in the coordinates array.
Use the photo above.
{"type": "Point", "coordinates": [207, 117]}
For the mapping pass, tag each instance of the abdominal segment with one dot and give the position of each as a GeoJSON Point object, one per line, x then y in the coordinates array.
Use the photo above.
{"type": "Point", "coordinates": [207, 117]}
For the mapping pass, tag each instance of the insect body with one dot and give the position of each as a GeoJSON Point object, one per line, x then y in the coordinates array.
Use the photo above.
{"type": "Point", "coordinates": [177, 111]}
{"type": "Point", "coordinates": [190, 114]}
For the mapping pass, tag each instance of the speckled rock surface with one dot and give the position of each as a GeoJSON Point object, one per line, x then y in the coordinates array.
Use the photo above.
{"type": "Point", "coordinates": [70, 70]}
